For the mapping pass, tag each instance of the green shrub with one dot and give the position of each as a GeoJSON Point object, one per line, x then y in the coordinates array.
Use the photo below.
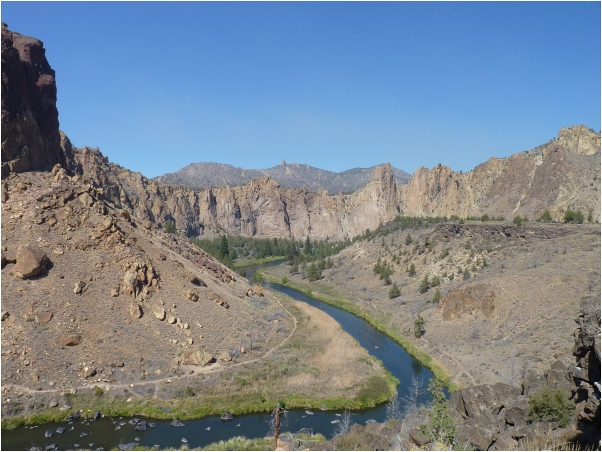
{"type": "Point", "coordinates": [98, 392]}
{"type": "Point", "coordinates": [441, 426]}
{"type": "Point", "coordinates": [546, 217]}
{"type": "Point", "coordinates": [258, 278]}
{"type": "Point", "coordinates": [551, 406]}
{"type": "Point", "coordinates": [170, 227]}
{"type": "Point", "coordinates": [419, 329]}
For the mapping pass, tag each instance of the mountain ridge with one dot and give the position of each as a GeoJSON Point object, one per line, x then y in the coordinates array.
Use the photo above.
{"type": "Point", "coordinates": [289, 175]}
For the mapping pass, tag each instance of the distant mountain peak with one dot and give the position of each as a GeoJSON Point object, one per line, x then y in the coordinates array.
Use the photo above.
{"type": "Point", "coordinates": [288, 175]}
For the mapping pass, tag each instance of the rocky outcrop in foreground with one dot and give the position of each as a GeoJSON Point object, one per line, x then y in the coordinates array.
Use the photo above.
{"type": "Point", "coordinates": [586, 374]}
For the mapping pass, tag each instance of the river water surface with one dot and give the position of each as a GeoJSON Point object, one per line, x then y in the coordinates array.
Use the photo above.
{"type": "Point", "coordinates": [103, 433]}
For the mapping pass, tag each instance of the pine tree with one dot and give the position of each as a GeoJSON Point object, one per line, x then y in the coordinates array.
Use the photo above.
{"type": "Point", "coordinates": [394, 292]}
{"type": "Point", "coordinates": [307, 250]}
{"type": "Point", "coordinates": [424, 284]}
{"type": "Point", "coordinates": [314, 273]}
{"type": "Point", "coordinates": [223, 247]}
{"type": "Point", "coordinates": [408, 239]}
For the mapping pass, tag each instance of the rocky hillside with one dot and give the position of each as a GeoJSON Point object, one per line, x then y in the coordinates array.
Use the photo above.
{"type": "Point", "coordinates": [90, 293]}
{"type": "Point", "coordinates": [500, 299]}
{"type": "Point", "coordinates": [288, 175]}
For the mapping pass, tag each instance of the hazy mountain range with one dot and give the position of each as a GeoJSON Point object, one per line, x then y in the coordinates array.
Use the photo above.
{"type": "Point", "coordinates": [288, 175]}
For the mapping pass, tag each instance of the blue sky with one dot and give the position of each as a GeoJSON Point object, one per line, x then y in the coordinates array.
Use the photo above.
{"type": "Point", "coordinates": [157, 86]}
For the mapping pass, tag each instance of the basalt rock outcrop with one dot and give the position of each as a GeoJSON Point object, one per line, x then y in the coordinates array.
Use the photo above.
{"type": "Point", "coordinates": [30, 125]}
{"type": "Point", "coordinates": [586, 373]}
{"type": "Point", "coordinates": [497, 417]}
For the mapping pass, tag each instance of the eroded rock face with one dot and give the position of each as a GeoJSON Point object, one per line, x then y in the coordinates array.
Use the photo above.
{"type": "Point", "coordinates": [549, 177]}
{"type": "Point", "coordinates": [467, 301]}
{"type": "Point", "coordinates": [30, 125]}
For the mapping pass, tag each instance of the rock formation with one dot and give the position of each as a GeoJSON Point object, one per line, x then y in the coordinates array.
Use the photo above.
{"type": "Point", "coordinates": [559, 175]}
{"type": "Point", "coordinates": [30, 125]}
{"type": "Point", "coordinates": [586, 374]}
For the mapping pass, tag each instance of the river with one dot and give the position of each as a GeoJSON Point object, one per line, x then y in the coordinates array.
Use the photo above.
{"type": "Point", "coordinates": [102, 433]}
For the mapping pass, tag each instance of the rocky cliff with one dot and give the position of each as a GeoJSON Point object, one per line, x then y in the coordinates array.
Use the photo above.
{"type": "Point", "coordinates": [259, 208]}
{"type": "Point", "coordinates": [30, 125]}
{"type": "Point", "coordinates": [562, 174]}
{"type": "Point", "coordinates": [559, 175]}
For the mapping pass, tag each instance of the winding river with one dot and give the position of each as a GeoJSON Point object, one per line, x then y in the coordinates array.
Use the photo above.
{"type": "Point", "coordinates": [103, 433]}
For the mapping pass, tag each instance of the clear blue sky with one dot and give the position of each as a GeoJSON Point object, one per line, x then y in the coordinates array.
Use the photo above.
{"type": "Point", "coordinates": [157, 86]}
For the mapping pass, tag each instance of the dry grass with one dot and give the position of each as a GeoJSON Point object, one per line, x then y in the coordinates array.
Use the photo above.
{"type": "Point", "coordinates": [335, 354]}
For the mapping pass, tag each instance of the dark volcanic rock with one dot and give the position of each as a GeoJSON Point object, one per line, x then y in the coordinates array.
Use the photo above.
{"type": "Point", "coordinates": [30, 120]}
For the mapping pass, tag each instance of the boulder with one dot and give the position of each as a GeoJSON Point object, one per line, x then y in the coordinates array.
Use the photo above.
{"type": "Point", "coordinates": [197, 357]}
{"type": "Point", "coordinates": [30, 262]}
{"type": "Point", "coordinates": [417, 437]}
{"type": "Point", "coordinates": [516, 414]}
{"type": "Point", "coordinates": [160, 314]}
{"type": "Point", "coordinates": [257, 291]}
{"type": "Point", "coordinates": [115, 291]}
{"type": "Point", "coordinates": [43, 317]}
{"type": "Point", "coordinates": [89, 372]}
{"type": "Point", "coordinates": [86, 199]}
{"type": "Point", "coordinates": [475, 400]}
{"type": "Point", "coordinates": [10, 254]}
{"type": "Point", "coordinates": [79, 287]}
{"type": "Point", "coordinates": [192, 296]}
{"type": "Point", "coordinates": [505, 441]}
{"type": "Point", "coordinates": [70, 339]}
{"type": "Point", "coordinates": [171, 319]}
{"type": "Point", "coordinates": [5, 315]}
{"type": "Point", "coordinates": [479, 433]}
{"type": "Point", "coordinates": [131, 283]}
